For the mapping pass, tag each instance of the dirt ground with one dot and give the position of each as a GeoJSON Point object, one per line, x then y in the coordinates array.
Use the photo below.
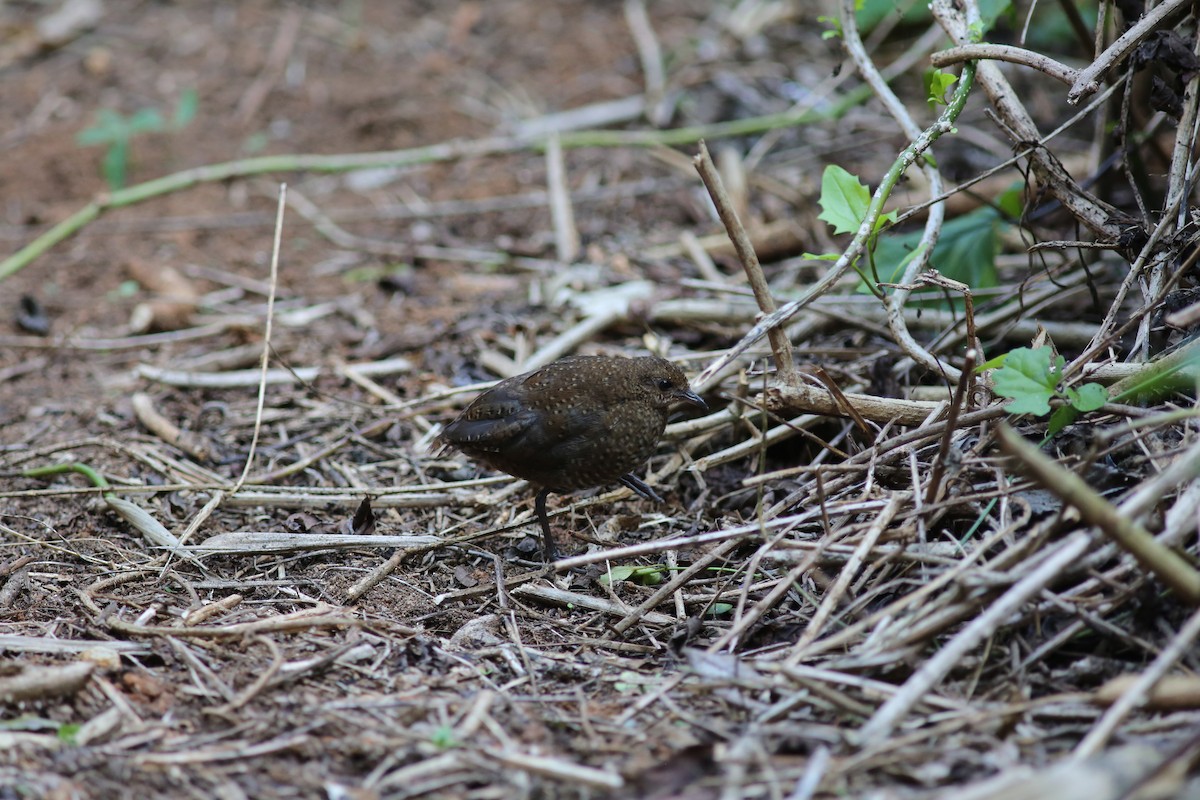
{"type": "Point", "coordinates": [298, 661]}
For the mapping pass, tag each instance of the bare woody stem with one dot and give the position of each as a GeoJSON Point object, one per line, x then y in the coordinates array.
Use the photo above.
{"type": "Point", "coordinates": [1003, 52]}
{"type": "Point", "coordinates": [781, 347]}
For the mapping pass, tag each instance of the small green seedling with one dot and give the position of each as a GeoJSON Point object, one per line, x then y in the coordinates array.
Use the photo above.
{"type": "Point", "coordinates": [117, 132]}
{"type": "Point", "coordinates": [966, 251]}
{"type": "Point", "coordinates": [644, 576]}
{"type": "Point", "coordinates": [937, 85]}
{"type": "Point", "coordinates": [443, 738]}
{"type": "Point", "coordinates": [1031, 378]}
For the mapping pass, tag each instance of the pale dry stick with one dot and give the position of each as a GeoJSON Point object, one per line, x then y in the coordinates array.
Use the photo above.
{"type": "Point", "coordinates": [241, 752]}
{"type": "Point", "coordinates": [1023, 151]}
{"type": "Point", "coordinates": [703, 261]}
{"type": "Point", "coordinates": [260, 682]}
{"type": "Point", "coordinates": [574, 336]}
{"type": "Point", "coordinates": [298, 621]}
{"type": "Point", "coordinates": [848, 572]}
{"type": "Point", "coordinates": [1171, 568]}
{"type": "Point", "coordinates": [658, 109]}
{"type": "Point", "coordinates": [847, 635]}
{"type": "Point", "coordinates": [670, 587]}
{"type": "Point", "coordinates": [1003, 52]}
{"type": "Point", "coordinates": [1177, 185]}
{"type": "Point", "coordinates": [808, 782]}
{"type": "Point", "coordinates": [14, 643]}
{"type": "Point", "coordinates": [849, 256]}
{"type": "Point", "coordinates": [671, 557]}
{"type": "Point", "coordinates": [558, 769]}
{"type": "Point", "coordinates": [214, 502]}
{"type": "Point", "coordinates": [203, 613]}
{"type": "Point", "coordinates": [240, 378]}
{"type": "Point", "coordinates": [356, 376]}
{"type": "Point", "coordinates": [45, 682]}
{"type": "Point", "coordinates": [1176, 649]}
{"type": "Point", "coordinates": [1093, 213]}
{"type": "Point", "coordinates": [781, 345]}
{"type": "Point", "coordinates": [1181, 517]}
{"type": "Point", "coordinates": [554, 595]}
{"type": "Point", "coordinates": [266, 353]}
{"type": "Point", "coordinates": [937, 211]}
{"type": "Point", "coordinates": [1088, 80]}
{"type": "Point", "coordinates": [884, 451]}
{"type": "Point", "coordinates": [324, 225]}
{"type": "Point", "coordinates": [273, 69]}
{"type": "Point", "coordinates": [126, 342]}
{"type": "Point", "coordinates": [782, 586]}
{"type": "Point", "coordinates": [562, 216]}
{"type": "Point", "coordinates": [682, 542]}
{"type": "Point", "coordinates": [594, 115]}
{"type": "Point", "coordinates": [254, 542]}
{"type": "Point", "coordinates": [933, 490]}
{"type": "Point", "coordinates": [187, 441]}
{"type": "Point", "coordinates": [301, 464]}
{"type": "Point", "coordinates": [1109, 330]}
{"type": "Point", "coordinates": [891, 713]}
{"type": "Point", "coordinates": [806, 399]}
{"type": "Point", "coordinates": [428, 776]}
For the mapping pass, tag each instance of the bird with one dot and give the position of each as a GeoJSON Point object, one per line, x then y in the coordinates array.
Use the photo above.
{"type": "Point", "coordinates": [575, 423]}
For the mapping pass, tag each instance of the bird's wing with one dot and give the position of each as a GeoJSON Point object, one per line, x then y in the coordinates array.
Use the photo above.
{"type": "Point", "coordinates": [493, 421]}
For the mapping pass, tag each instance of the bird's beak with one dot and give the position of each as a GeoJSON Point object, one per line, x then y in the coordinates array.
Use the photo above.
{"type": "Point", "coordinates": [691, 398]}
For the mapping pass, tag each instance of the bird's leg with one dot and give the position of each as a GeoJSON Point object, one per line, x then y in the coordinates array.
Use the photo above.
{"type": "Point", "coordinates": [636, 483]}
{"type": "Point", "coordinates": [539, 505]}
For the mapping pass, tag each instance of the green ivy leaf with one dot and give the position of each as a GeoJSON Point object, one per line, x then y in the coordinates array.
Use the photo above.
{"type": "Point", "coordinates": [1027, 378]}
{"type": "Point", "coordinates": [965, 252]}
{"type": "Point", "coordinates": [1061, 418]}
{"type": "Point", "coordinates": [616, 575]}
{"type": "Point", "coordinates": [1088, 397]}
{"type": "Point", "coordinates": [992, 363]}
{"type": "Point", "coordinates": [937, 83]}
{"type": "Point", "coordinates": [844, 199]}
{"type": "Point", "coordinates": [185, 109]}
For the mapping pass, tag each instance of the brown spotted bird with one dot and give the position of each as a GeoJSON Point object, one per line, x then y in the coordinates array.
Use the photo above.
{"type": "Point", "coordinates": [578, 422]}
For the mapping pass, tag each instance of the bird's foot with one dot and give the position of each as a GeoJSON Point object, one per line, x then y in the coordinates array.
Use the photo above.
{"type": "Point", "coordinates": [639, 486]}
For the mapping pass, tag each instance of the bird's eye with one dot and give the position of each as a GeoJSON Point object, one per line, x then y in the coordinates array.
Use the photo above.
{"type": "Point", "coordinates": [665, 384]}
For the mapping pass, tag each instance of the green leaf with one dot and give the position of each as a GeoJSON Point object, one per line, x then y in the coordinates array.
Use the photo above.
{"type": "Point", "coordinates": [967, 249]}
{"type": "Point", "coordinates": [115, 164]}
{"type": "Point", "coordinates": [872, 12]}
{"type": "Point", "coordinates": [993, 363]}
{"type": "Point", "coordinates": [833, 29]}
{"type": "Point", "coordinates": [1088, 397]}
{"type": "Point", "coordinates": [965, 252]}
{"type": "Point", "coordinates": [443, 737]}
{"type": "Point", "coordinates": [67, 732]}
{"type": "Point", "coordinates": [1028, 380]}
{"type": "Point", "coordinates": [821, 257]}
{"type": "Point", "coordinates": [844, 200]}
{"type": "Point", "coordinates": [1012, 201]}
{"type": "Point", "coordinates": [646, 575]}
{"type": "Point", "coordinates": [937, 83]}
{"type": "Point", "coordinates": [616, 575]}
{"type": "Point", "coordinates": [185, 109]}
{"type": "Point", "coordinates": [145, 120]}
{"type": "Point", "coordinates": [256, 142]}
{"type": "Point", "coordinates": [1061, 418]}
{"type": "Point", "coordinates": [892, 254]}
